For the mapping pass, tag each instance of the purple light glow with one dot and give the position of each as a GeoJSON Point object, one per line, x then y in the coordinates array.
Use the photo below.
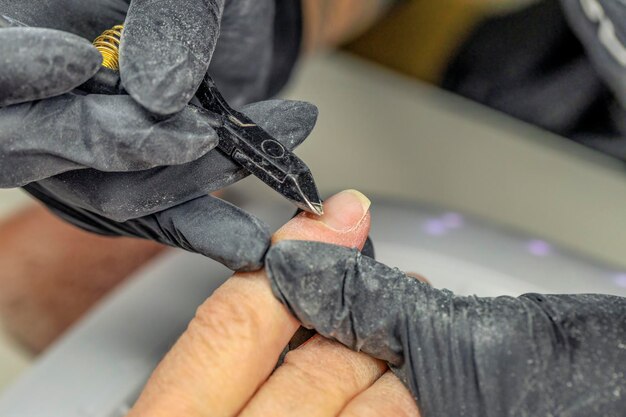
{"type": "Point", "coordinates": [435, 227]}
{"type": "Point", "coordinates": [620, 280]}
{"type": "Point", "coordinates": [539, 248]}
{"type": "Point", "coordinates": [452, 220]}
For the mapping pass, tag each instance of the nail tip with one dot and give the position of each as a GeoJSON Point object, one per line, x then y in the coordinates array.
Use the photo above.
{"type": "Point", "coordinates": [362, 197]}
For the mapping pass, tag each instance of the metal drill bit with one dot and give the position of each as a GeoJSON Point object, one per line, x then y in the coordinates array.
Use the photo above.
{"type": "Point", "coordinates": [256, 150]}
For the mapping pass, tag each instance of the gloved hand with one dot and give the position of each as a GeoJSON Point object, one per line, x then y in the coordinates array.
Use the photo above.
{"type": "Point", "coordinates": [168, 45]}
{"type": "Point", "coordinates": [145, 165]}
{"type": "Point", "coordinates": [535, 355]}
{"type": "Point", "coordinates": [39, 139]}
{"type": "Point", "coordinates": [170, 204]}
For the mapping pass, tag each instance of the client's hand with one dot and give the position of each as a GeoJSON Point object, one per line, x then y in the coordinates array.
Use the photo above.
{"type": "Point", "coordinates": [223, 364]}
{"type": "Point", "coordinates": [534, 355]}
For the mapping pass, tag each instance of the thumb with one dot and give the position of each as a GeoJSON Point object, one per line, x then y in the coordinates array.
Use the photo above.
{"type": "Point", "coordinates": [41, 63]}
{"type": "Point", "coordinates": [166, 50]}
{"type": "Point", "coordinates": [344, 295]}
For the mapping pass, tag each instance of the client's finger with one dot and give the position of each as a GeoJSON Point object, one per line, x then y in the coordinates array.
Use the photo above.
{"type": "Point", "coordinates": [317, 379]}
{"type": "Point", "coordinates": [387, 397]}
{"type": "Point", "coordinates": [110, 133]}
{"type": "Point", "coordinates": [233, 343]}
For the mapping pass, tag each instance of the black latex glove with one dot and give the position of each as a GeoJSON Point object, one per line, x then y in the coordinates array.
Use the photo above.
{"type": "Point", "coordinates": [170, 204]}
{"type": "Point", "coordinates": [535, 355]}
{"type": "Point", "coordinates": [168, 45]}
{"type": "Point", "coordinates": [143, 164]}
{"type": "Point", "coordinates": [42, 138]}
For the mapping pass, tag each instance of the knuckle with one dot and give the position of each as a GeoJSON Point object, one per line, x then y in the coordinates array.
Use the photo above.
{"type": "Point", "coordinates": [322, 364]}
{"type": "Point", "coordinates": [224, 320]}
{"type": "Point", "coordinates": [311, 378]}
{"type": "Point", "coordinates": [387, 397]}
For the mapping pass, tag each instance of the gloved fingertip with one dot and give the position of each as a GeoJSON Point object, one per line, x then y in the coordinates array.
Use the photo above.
{"type": "Point", "coordinates": [223, 232]}
{"type": "Point", "coordinates": [306, 110]}
{"type": "Point", "coordinates": [290, 121]}
{"type": "Point", "coordinates": [157, 76]}
{"type": "Point", "coordinates": [301, 114]}
{"type": "Point", "coordinates": [158, 97]}
{"type": "Point", "coordinates": [341, 294]}
{"type": "Point", "coordinates": [307, 277]}
{"type": "Point", "coordinates": [63, 62]}
{"type": "Point", "coordinates": [243, 254]}
{"type": "Point", "coordinates": [289, 108]}
{"type": "Point", "coordinates": [183, 138]}
{"type": "Point", "coordinates": [164, 53]}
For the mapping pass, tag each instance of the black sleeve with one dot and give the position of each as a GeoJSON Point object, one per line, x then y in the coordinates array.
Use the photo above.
{"type": "Point", "coordinates": [287, 43]}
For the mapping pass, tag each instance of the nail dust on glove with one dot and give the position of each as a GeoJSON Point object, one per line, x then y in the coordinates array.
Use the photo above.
{"type": "Point", "coordinates": [535, 355]}
{"type": "Point", "coordinates": [170, 204]}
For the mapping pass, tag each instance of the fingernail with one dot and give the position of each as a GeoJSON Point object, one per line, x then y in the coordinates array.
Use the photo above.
{"type": "Point", "coordinates": [344, 211]}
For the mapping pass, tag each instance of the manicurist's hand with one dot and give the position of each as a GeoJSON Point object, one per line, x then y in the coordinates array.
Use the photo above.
{"type": "Point", "coordinates": [535, 355]}
{"type": "Point", "coordinates": [223, 365]}
{"type": "Point", "coordinates": [168, 46]}
{"type": "Point", "coordinates": [170, 204]}
{"type": "Point", "coordinates": [139, 165]}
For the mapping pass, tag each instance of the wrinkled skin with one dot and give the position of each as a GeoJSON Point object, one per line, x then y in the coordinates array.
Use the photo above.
{"type": "Point", "coordinates": [535, 355]}
{"type": "Point", "coordinates": [125, 165]}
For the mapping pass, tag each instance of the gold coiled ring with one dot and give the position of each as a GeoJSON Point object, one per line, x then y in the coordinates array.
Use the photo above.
{"type": "Point", "coordinates": [109, 46]}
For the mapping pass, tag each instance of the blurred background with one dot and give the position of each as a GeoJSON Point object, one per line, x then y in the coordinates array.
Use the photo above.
{"type": "Point", "coordinates": [451, 112]}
